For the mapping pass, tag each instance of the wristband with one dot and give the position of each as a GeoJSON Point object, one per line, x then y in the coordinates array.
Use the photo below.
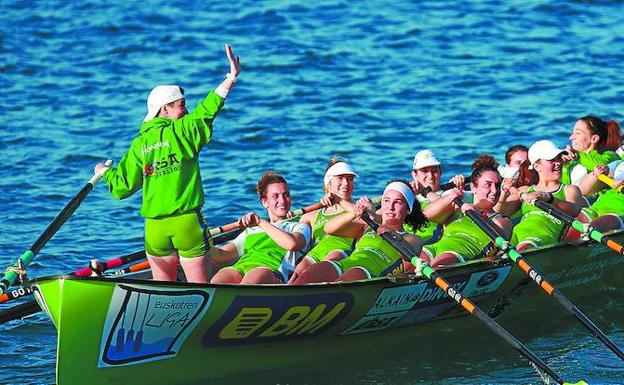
{"type": "Point", "coordinates": [231, 77]}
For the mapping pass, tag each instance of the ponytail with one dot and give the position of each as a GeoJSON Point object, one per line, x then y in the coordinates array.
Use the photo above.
{"type": "Point", "coordinates": [526, 176]}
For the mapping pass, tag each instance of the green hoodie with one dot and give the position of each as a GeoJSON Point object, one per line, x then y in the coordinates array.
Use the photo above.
{"type": "Point", "coordinates": [163, 160]}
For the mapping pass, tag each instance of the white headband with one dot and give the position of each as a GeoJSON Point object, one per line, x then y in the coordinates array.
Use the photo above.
{"type": "Point", "coordinates": [407, 192]}
{"type": "Point", "coordinates": [340, 168]}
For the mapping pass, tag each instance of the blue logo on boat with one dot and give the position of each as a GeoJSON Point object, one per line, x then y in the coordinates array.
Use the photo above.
{"type": "Point", "coordinates": [147, 323]}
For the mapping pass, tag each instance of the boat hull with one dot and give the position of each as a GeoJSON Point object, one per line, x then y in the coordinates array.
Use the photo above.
{"type": "Point", "coordinates": [111, 330]}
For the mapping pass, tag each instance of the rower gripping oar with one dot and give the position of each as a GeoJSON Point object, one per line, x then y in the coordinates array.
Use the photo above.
{"type": "Point", "coordinates": [579, 226]}
{"type": "Point", "coordinates": [445, 186]}
{"type": "Point", "coordinates": [611, 183]}
{"type": "Point", "coordinates": [402, 246]}
{"type": "Point", "coordinates": [496, 235]}
{"type": "Point", "coordinates": [24, 260]}
{"type": "Point", "coordinates": [236, 225]}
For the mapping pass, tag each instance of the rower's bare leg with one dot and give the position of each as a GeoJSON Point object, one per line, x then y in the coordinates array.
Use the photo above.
{"type": "Point", "coordinates": [353, 274]}
{"type": "Point", "coordinates": [301, 266]}
{"type": "Point", "coordinates": [318, 272]}
{"type": "Point", "coordinates": [227, 275]}
{"type": "Point", "coordinates": [607, 222]}
{"type": "Point", "coordinates": [164, 268]}
{"type": "Point", "coordinates": [260, 275]}
{"type": "Point", "coordinates": [522, 246]}
{"type": "Point", "coordinates": [446, 259]}
{"type": "Point", "coordinates": [197, 269]}
{"type": "Point", "coordinates": [334, 256]}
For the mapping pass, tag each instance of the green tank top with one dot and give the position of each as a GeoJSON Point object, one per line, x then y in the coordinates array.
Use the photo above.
{"type": "Point", "coordinates": [465, 227]}
{"type": "Point", "coordinates": [371, 241]}
{"type": "Point", "coordinates": [540, 218]}
{"type": "Point", "coordinates": [589, 160]}
{"type": "Point", "coordinates": [318, 227]}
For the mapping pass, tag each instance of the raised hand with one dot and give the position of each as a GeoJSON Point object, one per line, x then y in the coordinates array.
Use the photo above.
{"type": "Point", "coordinates": [234, 61]}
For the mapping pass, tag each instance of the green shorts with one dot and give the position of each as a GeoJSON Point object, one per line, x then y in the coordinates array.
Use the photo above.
{"type": "Point", "coordinates": [371, 261]}
{"type": "Point", "coordinates": [330, 244]}
{"type": "Point", "coordinates": [539, 231]}
{"type": "Point", "coordinates": [462, 246]}
{"type": "Point", "coordinates": [185, 234]}
{"type": "Point", "coordinates": [245, 266]}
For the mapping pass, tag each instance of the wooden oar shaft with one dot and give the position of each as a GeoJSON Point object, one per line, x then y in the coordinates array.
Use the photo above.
{"type": "Point", "coordinates": [610, 182]}
{"type": "Point", "coordinates": [405, 248]}
{"type": "Point", "coordinates": [496, 235]}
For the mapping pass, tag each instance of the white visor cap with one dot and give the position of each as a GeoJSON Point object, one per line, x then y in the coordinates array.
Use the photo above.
{"type": "Point", "coordinates": [160, 96]}
{"type": "Point", "coordinates": [340, 168]}
{"type": "Point", "coordinates": [402, 188]}
{"type": "Point", "coordinates": [543, 149]}
{"type": "Point", "coordinates": [425, 158]}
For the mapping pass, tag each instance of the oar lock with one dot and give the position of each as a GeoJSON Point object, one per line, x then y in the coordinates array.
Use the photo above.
{"type": "Point", "coordinates": [96, 268]}
{"type": "Point", "coordinates": [20, 270]}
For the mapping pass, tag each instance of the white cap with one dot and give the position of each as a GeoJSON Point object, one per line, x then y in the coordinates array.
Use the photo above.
{"type": "Point", "coordinates": [425, 158]}
{"type": "Point", "coordinates": [339, 168]}
{"type": "Point", "coordinates": [404, 190]}
{"type": "Point", "coordinates": [160, 96]}
{"type": "Point", "coordinates": [543, 149]}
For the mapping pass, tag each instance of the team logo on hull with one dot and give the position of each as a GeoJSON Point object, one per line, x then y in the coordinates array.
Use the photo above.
{"type": "Point", "coordinates": [147, 324]}
{"type": "Point", "coordinates": [251, 320]}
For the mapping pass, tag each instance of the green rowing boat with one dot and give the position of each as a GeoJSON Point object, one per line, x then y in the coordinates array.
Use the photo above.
{"type": "Point", "coordinates": [118, 330]}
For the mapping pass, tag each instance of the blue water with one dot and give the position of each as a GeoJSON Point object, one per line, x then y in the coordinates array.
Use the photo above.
{"type": "Point", "coordinates": [373, 81]}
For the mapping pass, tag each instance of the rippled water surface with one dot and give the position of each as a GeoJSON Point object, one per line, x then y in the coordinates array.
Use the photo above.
{"type": "Point", "coordinates": [373, 81]}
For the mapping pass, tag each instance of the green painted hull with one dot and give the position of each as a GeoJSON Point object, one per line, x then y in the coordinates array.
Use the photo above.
{"type": "Point", "coordinates": [115, 330]}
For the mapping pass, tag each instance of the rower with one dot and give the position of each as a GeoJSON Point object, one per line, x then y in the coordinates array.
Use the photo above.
{"type": "Point", "coordinates": [338, 186]}
{"type": "Point", "coordinates": [463, 239]}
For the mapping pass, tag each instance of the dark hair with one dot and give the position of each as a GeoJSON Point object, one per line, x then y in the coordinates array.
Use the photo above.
{"type": "Point", "coordinates": [526, 176]}
{"type": "Point", "coordinates": [608, 132]}
{"type": "Point", "coordinates": [269, 177]}
{"type": "Point", "coordinates": [482, 164]}
{"type": "Point", "coordinates": [333, 160]}
{"type": "Point", "coordinates": [512, 150]}
{"type": "Point", "coordinates": [416, 219]}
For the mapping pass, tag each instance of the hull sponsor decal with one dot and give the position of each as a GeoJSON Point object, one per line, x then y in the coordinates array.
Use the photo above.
{"type": "Point", "coordinates": [252, 320]}
{"type": "Point", "coordinates": [390, 306]}
{"type": "Point", "coordinates": [146, 323]}
{"type": "Point", "coordinates": [422, 302]}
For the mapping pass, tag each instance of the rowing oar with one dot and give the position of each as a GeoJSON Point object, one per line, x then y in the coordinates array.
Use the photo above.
{"type": "Point", "coordinates": [579, 226]}
{"type": "Point", "coordinates": [24, 260]}
{"type": "Point", "coordinates": [445, 186]}
{"type": "Point", "coordinates": [236, 225]}
{"type": "Point", "coordinates": [84, 272]}
{"type": "Point", "coordinates": [611, 183]}
{"type": "Point", "coordinates": [496, 235]}
{"type": "Point", "coordinates": [403, 247]}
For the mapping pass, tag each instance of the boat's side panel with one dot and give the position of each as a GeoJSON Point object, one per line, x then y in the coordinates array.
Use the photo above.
{"type": "Point", "coordinates": [113, 330]}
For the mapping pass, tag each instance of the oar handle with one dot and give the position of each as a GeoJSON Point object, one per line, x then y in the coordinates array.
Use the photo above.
{"type": "Point", "coordinates": [97, 175]}
{"type": "Point", "coordinates": [235, 225]}
{"type": "Point", "coordinates": [610, 182]}
{"type": "Point", "coordinates": [24, 260]}
{"type": "Point", "coordinates": [445, 186]}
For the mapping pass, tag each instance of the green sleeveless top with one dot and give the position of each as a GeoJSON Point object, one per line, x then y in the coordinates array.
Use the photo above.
{"type": "Point", "coordinates": [372, 241]}
{"type": "Point", "coordinates": [540, 219]}
{"type": "Point", "coordinates": [589, 160]}
{"type": "Point", "coordinates": [318, 226]}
